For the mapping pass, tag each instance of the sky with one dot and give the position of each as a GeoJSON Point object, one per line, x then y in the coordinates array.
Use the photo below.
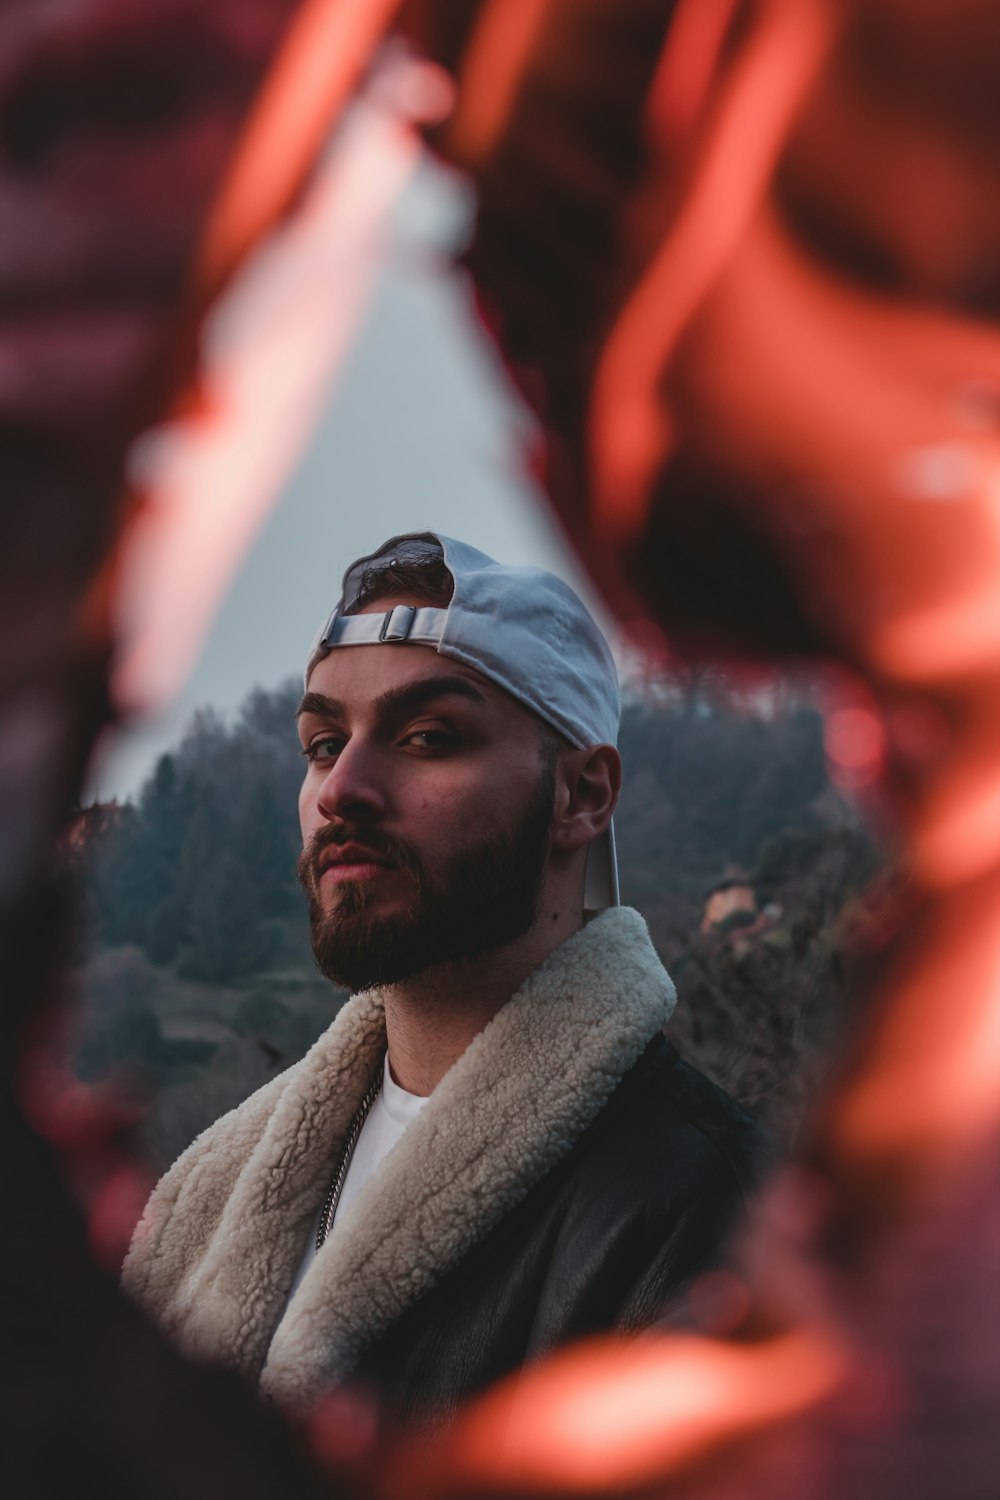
{"type": "Point", "coordinates": [420, 431]}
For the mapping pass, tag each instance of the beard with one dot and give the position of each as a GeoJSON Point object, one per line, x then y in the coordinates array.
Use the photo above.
{"type": "Point", "coordinates": [486, 894]}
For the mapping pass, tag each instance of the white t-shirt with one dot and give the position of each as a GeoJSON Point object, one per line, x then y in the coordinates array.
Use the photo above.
{"type": "Point", "coordinates": [394, 1109]}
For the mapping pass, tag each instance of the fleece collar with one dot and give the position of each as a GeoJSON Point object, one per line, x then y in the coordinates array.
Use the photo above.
{"type": "Point", "coordinates": [224, 1231]}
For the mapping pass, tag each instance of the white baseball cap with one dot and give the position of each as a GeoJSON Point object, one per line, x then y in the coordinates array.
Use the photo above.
{"type": "Point", "coordinates": [523, 628]}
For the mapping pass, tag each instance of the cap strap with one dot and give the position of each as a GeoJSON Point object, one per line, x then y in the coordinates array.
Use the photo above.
{"type": "Point", "coordinates": [421, 627]}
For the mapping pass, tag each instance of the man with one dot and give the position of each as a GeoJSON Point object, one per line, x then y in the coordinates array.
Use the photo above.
{"type": "Point", "coordinates": [493, 1149]}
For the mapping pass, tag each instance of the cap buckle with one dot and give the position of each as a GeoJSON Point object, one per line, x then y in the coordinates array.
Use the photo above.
{"type": "Point", "coordinates": [397, 623]}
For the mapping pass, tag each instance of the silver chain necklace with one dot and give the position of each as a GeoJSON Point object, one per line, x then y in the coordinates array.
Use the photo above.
{"type": "Point", "coordinates": [344, 1160]}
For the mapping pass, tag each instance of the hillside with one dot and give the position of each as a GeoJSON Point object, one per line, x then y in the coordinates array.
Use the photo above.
{"type": "Point", "coordinates": [198, 976]}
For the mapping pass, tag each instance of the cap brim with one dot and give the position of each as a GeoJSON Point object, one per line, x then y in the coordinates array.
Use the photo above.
{"type": "Point", "coordinates": [601, 885]}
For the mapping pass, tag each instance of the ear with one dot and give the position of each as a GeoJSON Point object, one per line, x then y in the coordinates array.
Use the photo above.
{"type": "Point", "coordinates": [589, 782]}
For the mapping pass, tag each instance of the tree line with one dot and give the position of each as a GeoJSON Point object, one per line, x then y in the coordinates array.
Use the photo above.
{"type": "Point", "coordinates": [191, 887]}
{"type": "Point", "coordinates": [199, 870]}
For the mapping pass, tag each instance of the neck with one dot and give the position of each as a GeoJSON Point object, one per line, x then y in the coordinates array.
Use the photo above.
{"type": "Point", "coordinates": [431, 1018]}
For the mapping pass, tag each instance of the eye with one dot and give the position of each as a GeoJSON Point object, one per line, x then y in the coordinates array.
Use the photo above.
{"type": "Point", "coordinates": [323, 749]}
{"type": "Point", "coordinates": [431, 739]}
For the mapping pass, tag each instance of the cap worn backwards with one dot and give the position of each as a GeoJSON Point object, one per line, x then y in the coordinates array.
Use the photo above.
{"type": "Point", "coordinates": [523, 628]}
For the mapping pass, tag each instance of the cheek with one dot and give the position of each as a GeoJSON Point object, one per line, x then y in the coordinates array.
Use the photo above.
{"type": "Point", "coordinates": [482, 802]}
{"type": "Point", "coordinates": [440, 811]}
{"type": "Point", "coordinates": [308, 816]}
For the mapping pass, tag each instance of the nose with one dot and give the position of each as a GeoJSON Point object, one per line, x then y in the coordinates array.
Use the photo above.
{"type": "Point", "coordinates": [353, 790]}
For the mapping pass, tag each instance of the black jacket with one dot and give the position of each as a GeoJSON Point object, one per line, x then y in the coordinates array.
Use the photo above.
{"type": "Point", "coordinates": [608, 1239]}
{"type": "Point", "coordinates": [568, 1175]}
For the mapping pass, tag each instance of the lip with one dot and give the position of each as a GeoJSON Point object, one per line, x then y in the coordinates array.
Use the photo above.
{"type": "Point", "coordinates": [351, 862]}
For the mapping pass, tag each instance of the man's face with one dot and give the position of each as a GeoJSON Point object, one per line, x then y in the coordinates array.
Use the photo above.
{"type": "Point", "coordinates": [425, 813]}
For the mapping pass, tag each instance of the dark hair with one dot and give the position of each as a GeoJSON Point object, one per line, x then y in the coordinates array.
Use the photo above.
{"type": "Point", "coordinates": [424, 580]}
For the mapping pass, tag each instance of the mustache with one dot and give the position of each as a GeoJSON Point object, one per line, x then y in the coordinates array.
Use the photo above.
{"type": "Point", "coordinates": [382, 845]}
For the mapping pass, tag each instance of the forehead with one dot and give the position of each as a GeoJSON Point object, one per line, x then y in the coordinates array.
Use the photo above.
{"type": "Point", "coordinates": [363, 679]}
{"type": "Point", "coordinates": [384, 665]}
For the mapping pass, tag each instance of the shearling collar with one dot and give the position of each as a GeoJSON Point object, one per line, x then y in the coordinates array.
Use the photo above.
{"type": "Point", "coordinates": [222, 1235]}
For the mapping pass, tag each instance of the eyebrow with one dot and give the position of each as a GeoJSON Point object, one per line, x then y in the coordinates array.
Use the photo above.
{"type": "Point", "coordinates": [412, 695]}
